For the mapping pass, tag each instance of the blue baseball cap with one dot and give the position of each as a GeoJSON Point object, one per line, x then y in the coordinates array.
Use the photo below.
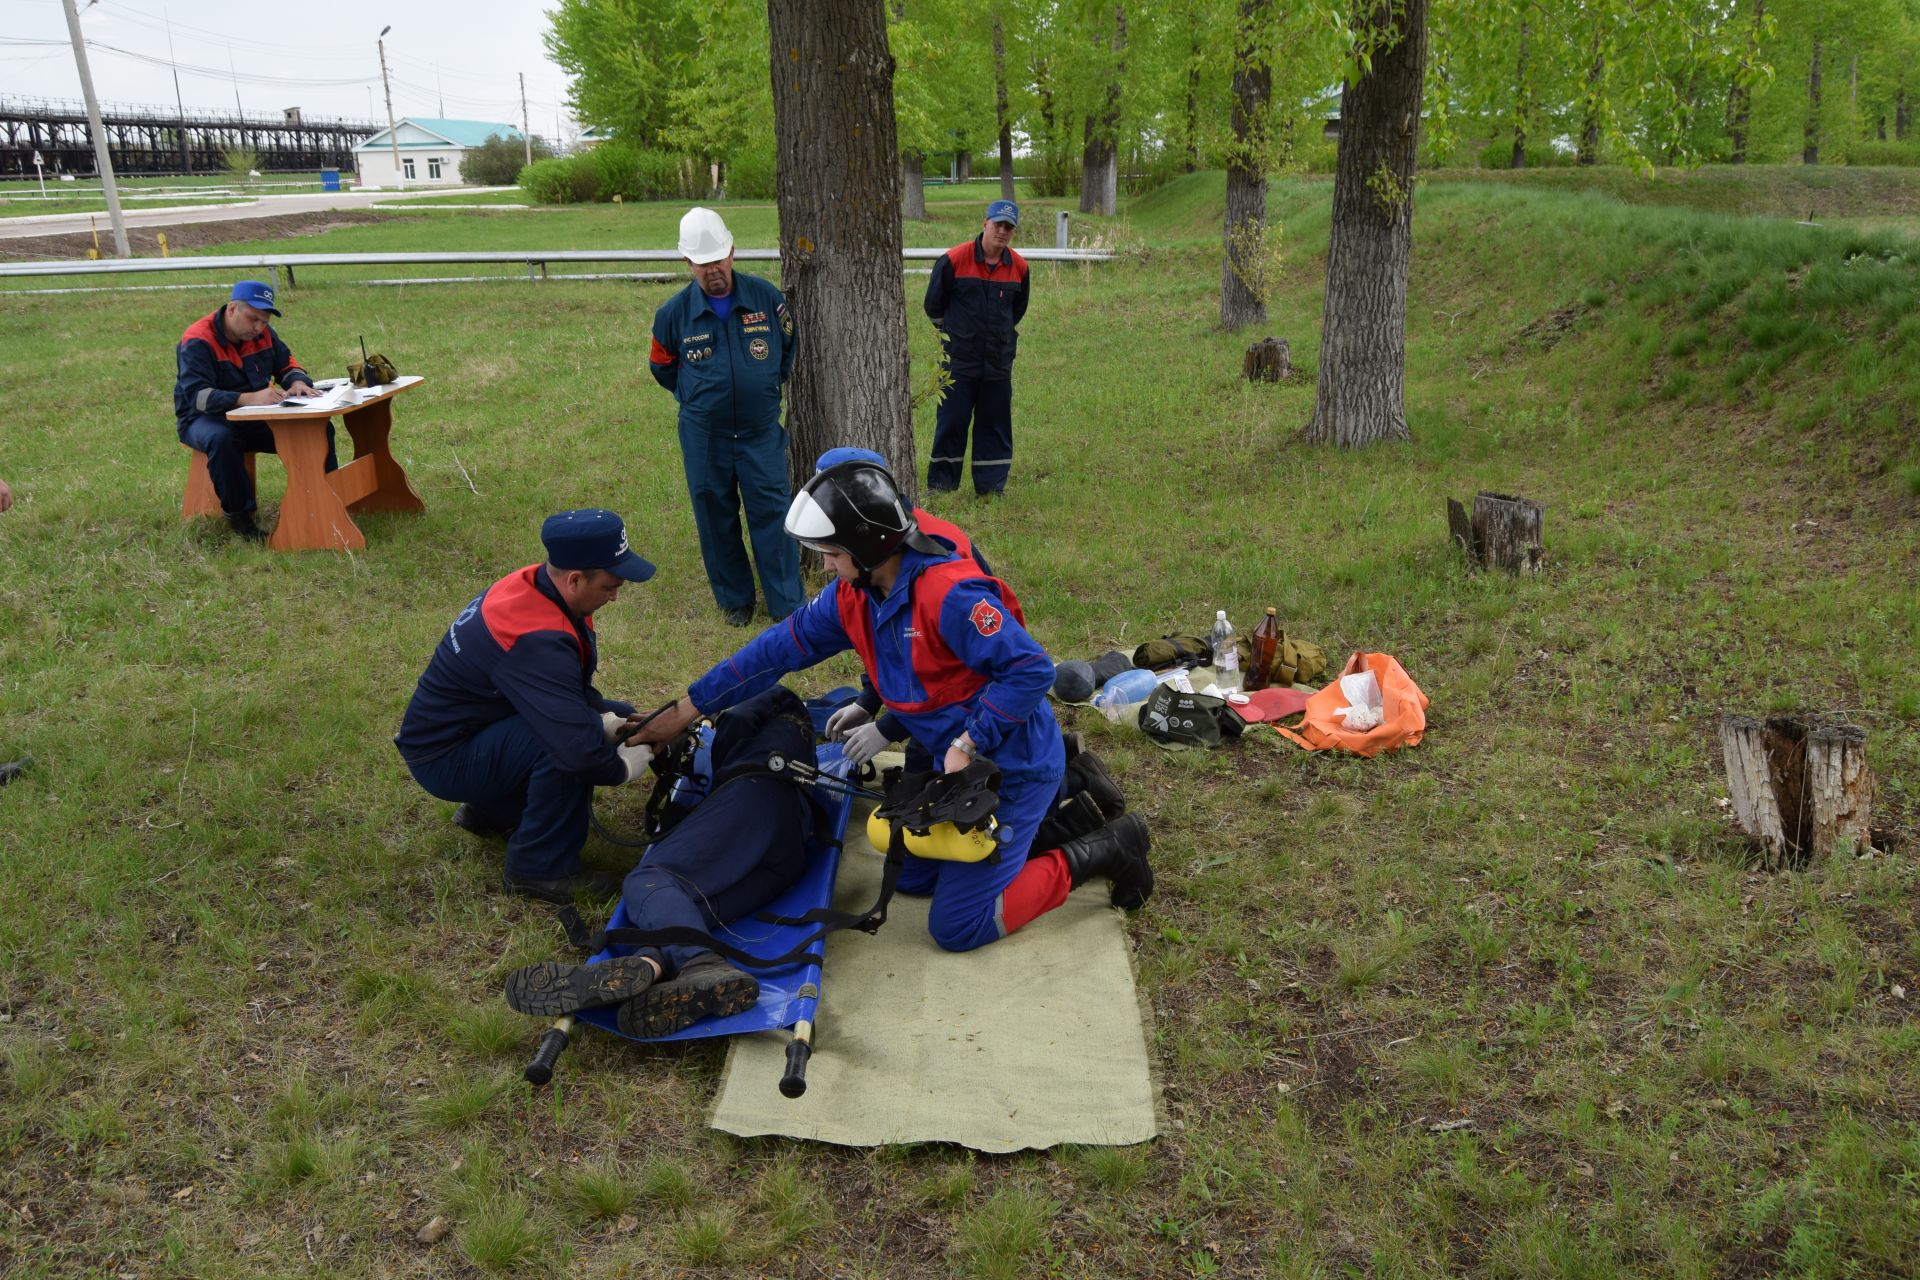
{"type": "Point", "coordinates": [256, 295]}
{"type": "Point", "coordinates": [593, 538]}
{"type": "Point", "coordinates": [834, 457]}
{"type": "Point", "coordinates": [1004, 211]}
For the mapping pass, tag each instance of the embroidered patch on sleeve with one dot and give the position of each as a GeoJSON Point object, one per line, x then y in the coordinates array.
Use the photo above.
{"type": "Point", "coordinates": [985, 618]}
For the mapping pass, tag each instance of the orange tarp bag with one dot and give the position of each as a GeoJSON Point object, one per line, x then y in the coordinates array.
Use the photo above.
{"type": "Point", "coordinates": [1403, 711]}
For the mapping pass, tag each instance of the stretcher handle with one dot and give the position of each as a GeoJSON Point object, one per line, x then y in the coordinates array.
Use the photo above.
{"type": "Point", "coordinates": [794, 1083]}
{"type": "Point", "coordinates": [552, 1045]}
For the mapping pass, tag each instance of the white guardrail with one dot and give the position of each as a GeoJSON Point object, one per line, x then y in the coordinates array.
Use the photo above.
{"type": "Point", "coordinates": [536, 260]}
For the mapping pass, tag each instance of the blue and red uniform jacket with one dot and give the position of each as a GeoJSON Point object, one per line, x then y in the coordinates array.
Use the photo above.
{"type": "Point", "coordinates": [956, 537]}
{"type": "Point", "coordinates": [215, 371]}
{"type": "Point", "coordinates": [726, 374]}
{"type": "Point", "coordinates": [516, 650]}
{"type": "Point", "coordinates": [945, 648]}
{"type": "Point", "coordinates": [978, 307]}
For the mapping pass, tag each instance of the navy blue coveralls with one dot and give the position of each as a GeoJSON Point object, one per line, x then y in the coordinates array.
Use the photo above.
{"type": "Point", "coordinates": [945, 651]}
{"type": "Point", "coordinates": [506, 719]}
{"type": "Point", "coordinates": [741, 847]}
{"type": "Point", "coordinates": [727, 375]}
{"type": "Point", "coordinates": [214, 372]}
{"type": "Point", "coordinates": [977, 307]}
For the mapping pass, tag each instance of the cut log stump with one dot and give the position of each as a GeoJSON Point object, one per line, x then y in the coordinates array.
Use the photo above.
{"type": "Point", "coordinates": [1502, 533]}
{"type": "Point", "coordinates": [1800, 787]}
{"type": "Point", "coordinates": [1268, 360]}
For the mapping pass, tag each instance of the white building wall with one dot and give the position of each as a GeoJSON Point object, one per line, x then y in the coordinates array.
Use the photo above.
{"type": "Point", "coordinates": [375, 168]}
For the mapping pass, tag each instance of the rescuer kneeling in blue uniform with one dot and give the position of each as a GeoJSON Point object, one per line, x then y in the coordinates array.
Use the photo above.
{"type": "Point", "coordinates": [946, 648]}
{"type": "Point", "coordinates": [506, 720]}
{"type": "Point", "coordinates": [724, 346]}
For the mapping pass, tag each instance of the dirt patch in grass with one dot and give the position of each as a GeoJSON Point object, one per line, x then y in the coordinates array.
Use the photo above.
{"type": "Point", "coordinates": [187, 236]}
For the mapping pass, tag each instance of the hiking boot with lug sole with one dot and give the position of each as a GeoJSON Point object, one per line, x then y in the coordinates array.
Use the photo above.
{"type": "Point", "coordinates": [1117, 851]}
{"type": "Point", "coordinates": [1074, 742]}
{"type": "Point", "coordinates": [706, 987]}
{"type": "Point", "coordinates": [550, 989]}
{"type": "Point", "coordinates": [1086, 773]}
{"type": "Point", "coordinates": [740, 617]}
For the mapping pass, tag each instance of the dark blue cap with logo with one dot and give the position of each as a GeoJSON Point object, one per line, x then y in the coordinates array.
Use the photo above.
{"type": "Point", "coordinates": [256, 295]}
{"type": "Point", "coordinates": [593, 538]}
{"type": "Point", "coordinates": [1004, 211]}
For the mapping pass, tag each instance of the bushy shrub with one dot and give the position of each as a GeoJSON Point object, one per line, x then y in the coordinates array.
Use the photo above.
{"type": "Point", "coordinates": [751, 176]}
{"type": "Point", "coordinates": [564, 180]}
{"type": "Point", "coordinates": [1906, 154]}
{"type": "Point", "coordinates": [1498, 154]}
{"type": "Point", "coordinates": [497, 161]}
{"type": "Point", "coordinates": [632, 172]}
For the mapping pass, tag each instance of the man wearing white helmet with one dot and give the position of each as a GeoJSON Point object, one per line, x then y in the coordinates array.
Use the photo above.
{"type": "Point", "coordinates": [724, 346]}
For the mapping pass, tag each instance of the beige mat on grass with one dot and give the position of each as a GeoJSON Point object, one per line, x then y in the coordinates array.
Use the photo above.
{"type": "Point", "coordinates": [1035, 1040]}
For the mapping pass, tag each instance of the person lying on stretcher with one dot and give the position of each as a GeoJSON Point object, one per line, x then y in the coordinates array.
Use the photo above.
{"type": "Point", "coordinates": [946, 647]}
{"type": "Point", "coordinates": [739, 849]}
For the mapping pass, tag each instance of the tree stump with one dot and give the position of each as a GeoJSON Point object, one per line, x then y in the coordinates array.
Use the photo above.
{"type": "Point", "coordinates": [1504, 532]}
{"type": "Point", "coordinates": [1800, 787]}
{"type": "Point", "coordinates": [1268, 360]}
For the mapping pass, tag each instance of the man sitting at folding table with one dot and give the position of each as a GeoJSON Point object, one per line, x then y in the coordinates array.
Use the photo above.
{"type": "Point", "coordinates": [229, 360]}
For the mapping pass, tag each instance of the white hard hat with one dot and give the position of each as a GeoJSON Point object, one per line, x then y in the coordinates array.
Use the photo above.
{"type": "Point", "coordinates": [703, 237]}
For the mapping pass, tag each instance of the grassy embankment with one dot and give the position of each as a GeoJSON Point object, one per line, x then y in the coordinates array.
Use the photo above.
{"type": "Point", "coordinates": [1509, 1004]}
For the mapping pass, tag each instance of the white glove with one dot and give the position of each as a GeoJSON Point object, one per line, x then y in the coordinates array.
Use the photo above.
{"type": "Point", "coordinates": [864, 743]}
{"type": "Point", "coordinates": [846, 719]}
{"type": "Point", "coordinates": [610, 722]}
{"type": "Point", "coordinates": [636, 757]}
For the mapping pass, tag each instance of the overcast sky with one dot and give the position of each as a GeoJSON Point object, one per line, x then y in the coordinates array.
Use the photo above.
{"type": "Point", "coordinates": [320, 57]}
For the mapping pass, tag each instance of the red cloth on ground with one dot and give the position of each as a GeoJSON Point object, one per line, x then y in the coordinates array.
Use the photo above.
{"type": "Point", "coordinates": [1270, 704]}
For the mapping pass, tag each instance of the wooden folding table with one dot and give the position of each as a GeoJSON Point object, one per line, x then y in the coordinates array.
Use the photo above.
{"type": "Point", "coordinates": [317, 513]}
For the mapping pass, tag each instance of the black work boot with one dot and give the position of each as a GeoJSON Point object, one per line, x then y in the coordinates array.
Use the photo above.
{"type": "Point", "coordinates": [1117, 851]}
{"type": "Point", "coordinates": [561, 892]}
{"type": "Point", "coordinates": [468, 818]}
{"type": "Point", "coordinates": [241, 522]}
{"type": "Point", "coordinates": [1078, 815]}
{"type": "Point", "coordinates": [550, 989]}
{"type": "Point", "coordinates": [705, 987]}
{"type": "Point", "coordinates": [1086, 773]}
{"type": "Point", "coordinates": [1074, 742]}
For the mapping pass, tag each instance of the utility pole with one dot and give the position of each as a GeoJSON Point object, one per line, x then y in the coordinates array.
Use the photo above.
{"type": "Point", "coordinates": [242, 111]}
{"type": "Point", "coordinates": [99, 131]}
{"type": "Point", "coordinates": [393, 130]}
{"type": "Point", "coordinates": [526, 134]}
{"type": "Point", "coordinates": [442, 86]}
{"type": "Point", "coordinates": [186, 156]}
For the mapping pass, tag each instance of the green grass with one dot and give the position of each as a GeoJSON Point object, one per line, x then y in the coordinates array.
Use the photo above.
{"type": "Point", "coordinates": [1508, 1004]}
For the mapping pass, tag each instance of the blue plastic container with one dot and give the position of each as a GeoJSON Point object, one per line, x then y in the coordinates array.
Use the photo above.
{"type": "Point", "coordinates": [329, 179]}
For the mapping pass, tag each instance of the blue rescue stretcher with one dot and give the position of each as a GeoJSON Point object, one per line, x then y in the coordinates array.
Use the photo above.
{"type": "Point", "coordinates": [790, 993]}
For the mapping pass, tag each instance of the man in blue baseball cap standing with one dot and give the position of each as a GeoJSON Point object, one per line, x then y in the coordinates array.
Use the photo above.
{"type": "Point", "coordinates": [506, 721]}
{"type": "Point", "coordinates": [976, 299]}
{"type": "Point", "coordinates": [229, 360]}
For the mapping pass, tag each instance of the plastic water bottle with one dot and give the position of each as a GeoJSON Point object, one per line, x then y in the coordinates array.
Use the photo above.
{"type": "Point", "coordinates": [1128, 689]}
{"type": "Point", "coordinates": [1226, 659]}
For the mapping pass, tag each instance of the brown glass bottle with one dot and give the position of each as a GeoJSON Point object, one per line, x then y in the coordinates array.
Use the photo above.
{"type": "Point", "coordinates": [1265, 642]}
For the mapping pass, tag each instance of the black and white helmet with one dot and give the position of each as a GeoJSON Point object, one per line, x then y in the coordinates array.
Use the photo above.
{"type": "Point", "coordinates": [854, 507]}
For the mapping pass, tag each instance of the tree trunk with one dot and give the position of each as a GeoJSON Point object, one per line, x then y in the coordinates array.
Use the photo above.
{"type": "Point", "coordinates": [1242, 284]}
{"type": "Point", "coordinates": [1502, 533]}
{"type": "Point", "coordinates": [838, 189]}
{"type": "Point", "coordinates": [1361, 397]}
{"type": "Point", "coordinates": [1900, 115]}
{"type": "Point", "coordinates": [962, 171]}
{"type": "Point", "coordinates": [1100, 159]}
{"type": "Point", "coordinates": [1740, 97]}
{"type": "Point", "coordinates": [1590, 126]}
{"type": "Point", "coordinates": [913, 189]}
{"type": "Point", "coordinates": [1799, 788]}
{"type": "Point", "coordinates": [1194, 54]}
{"type": "Point", "coordinates": [1810, 152]}
{"type": "Point", "coordinates": [1000, 108]}
{"type": "Point", "coordinates": [1521, 102]}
